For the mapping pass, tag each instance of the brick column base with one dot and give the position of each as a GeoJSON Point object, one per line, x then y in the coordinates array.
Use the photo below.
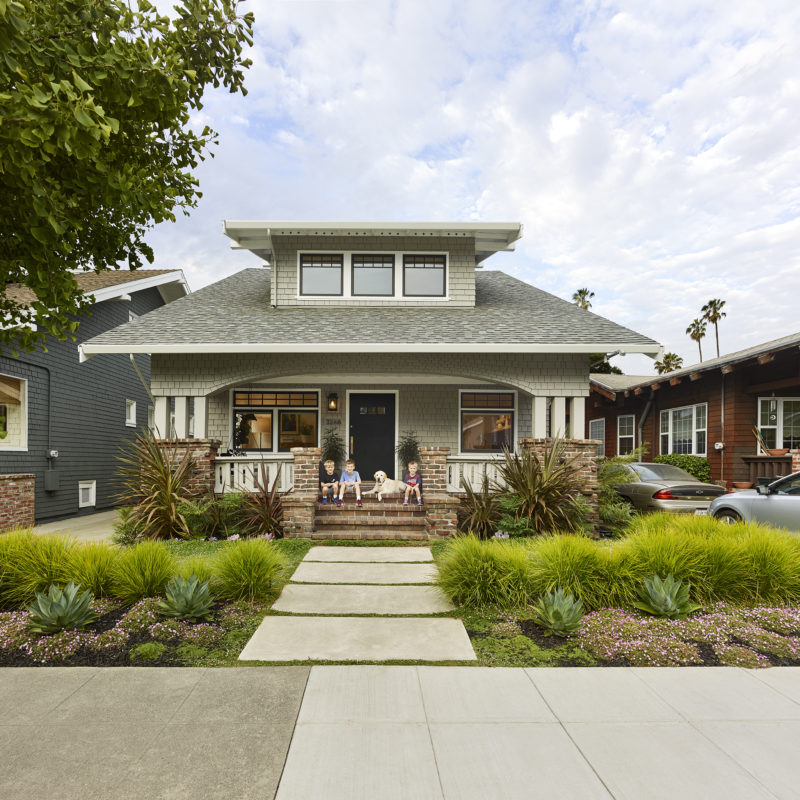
{"type": "Point", "coordinates": [204, 453]}
{"type": "Point", "coordinates": [433, 468]}
{"type": "Point", "coordinates": [441, 515]}
{"type": "Point", "coordinates": [795, 460]}
{"type": "Point", "coordinates": [298, 515]}
{"type": "Point", "coordinates": [17, 500]}
{"type": "Point", "coordinates": [584, 451]}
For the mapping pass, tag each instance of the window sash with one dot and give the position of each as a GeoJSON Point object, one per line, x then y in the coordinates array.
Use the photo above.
{"type": "Point", "coordinates": [684, 430]}
{"type": "Point", "coordinates": [328, 268]}
{"type": "Point", "coordinates": [370, 269]}
{"type": "Point", "coordinates": [485, 431]}
{"type": "Point", "coordinates": [293, 429]}
{"type": "Point", "coordinates": [626, 434]}
{"type": "Point", "coordinates": [597, 430]}
{"type": "Point", "coordinates": [779, 422]}
{"type": "Point", "coordinates": [423, 269]}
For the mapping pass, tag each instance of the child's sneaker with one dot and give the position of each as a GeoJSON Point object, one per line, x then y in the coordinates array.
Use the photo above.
{"type": "Point", "coordinates": [419, 501]}
{"type": "Point", "coordinates": [339, 501]}
{"type": "Point", "coordinates": [324, 501]}
{"type": "Point", "coordinates": [358, 502]}
{"type": "Point", "coordinates": [405, 501]}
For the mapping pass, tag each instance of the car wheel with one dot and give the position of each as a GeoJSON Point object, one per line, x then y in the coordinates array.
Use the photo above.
{"type": "Point", "coordinates": [727, 517]}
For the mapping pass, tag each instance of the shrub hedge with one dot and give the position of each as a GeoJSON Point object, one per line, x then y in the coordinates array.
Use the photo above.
{"type": "Point", "coordinates": [694, 465]}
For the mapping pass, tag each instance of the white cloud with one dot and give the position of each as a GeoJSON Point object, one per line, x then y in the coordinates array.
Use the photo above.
{"type": "Point", "coordinates": [651, 150]}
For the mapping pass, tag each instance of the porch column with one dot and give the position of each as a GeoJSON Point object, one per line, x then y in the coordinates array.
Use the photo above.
{"type": "Point", "coordinates": [577, 417]}
{"type": "Point", "coordinates": [441, 509]}
{"type": "Point", "coordinates": [558, 417]}
{"type": "Point", "coordinates": [200, 417]}
{"type": "Point", "coordinates": [539, 417]}
{"type": "Point", "coordinates": [298, 505]}
{"type": "Point", "coordinates": [162, 418]}
{"type": "Point", "coordinates": [181, 418]}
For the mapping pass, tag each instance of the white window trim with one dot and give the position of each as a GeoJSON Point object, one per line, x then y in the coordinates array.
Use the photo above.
{"type": "Point", "coordinates": [633, 435]}
{"type": "Point", "coordinates": [259, 454]}
{"type": "Point", "coordinates": [92, 486]}
{"type": "Point", "coordinates": [779, 421]}
{"type": "Point", "coordinates": [347, 277]}
{"type": "Point", "coordinates": [669, 412]}
{"type": "Point", "coordinates": [601, 450]}
{"type": "Point", "coordinates": [515, 411]}
{"type": "Point", "coordinates": [130, 413]}
{"type": "Point", "coordinates": [23, 447]}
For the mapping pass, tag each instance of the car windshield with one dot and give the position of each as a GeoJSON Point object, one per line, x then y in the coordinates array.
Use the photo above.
{"type": "Point", "coordinates": [661, 472]}
{"type": "Point", "coordinates": [789, 486]}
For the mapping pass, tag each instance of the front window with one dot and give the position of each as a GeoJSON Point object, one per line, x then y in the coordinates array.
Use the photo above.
{"type": "Point", "coordinates": [130, 413]}
{"type": "Point", "coordinates": [779, 422]}
{"type": "Point", "coordinates": [424, 275]}
{"type": "Point", "coordinates": [597, 430]}
{"type": "Point", "coordinates": [684, 430]}
{"type": "Point", "coordinates": [626, 438]}
{"type": "Point", "coordinates": [373, 275]}
{"type": "Point", "coordinates": [487, 421]}
{"type": "Point", "coordinates": [321, 273]}
{"type": "Point", "coordinates": [13, 413]}
{"type": "Point", "coordinates": [270, 421]}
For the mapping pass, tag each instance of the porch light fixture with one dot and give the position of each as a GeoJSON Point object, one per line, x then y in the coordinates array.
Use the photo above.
{"type": "Point", "coordinates": [333, 402]}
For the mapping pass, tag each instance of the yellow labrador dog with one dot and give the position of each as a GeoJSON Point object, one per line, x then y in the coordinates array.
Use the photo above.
{"type": "Point", "coordinates": [384, 485]}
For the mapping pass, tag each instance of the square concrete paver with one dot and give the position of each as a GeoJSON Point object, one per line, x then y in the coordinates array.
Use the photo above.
{"type": "Point", "coordinates": [513, 762]}
{"type": "Point", "coordinates": [315, 572]}
{"type": "Point", "coordinates": [785, 680]}
{"type": "Point", "coordinates": [320, 598]}
{"type": "Point", "coordinates": [369, 554]}
{"type": "Point", "coordinates": [589, 694]}
{"type": "Point", "coordinates": [719, 693]}
{"type": "Point", "coordinates": [362, 694]}
{"type": "Point", "coordinates": [481, 694]}
{"type": "Point", "coordinates": [29, 693]}
{"type": "Point", "coordinates": [359, 639]}
{"type": "Point", "coordinates": [360, 761]}
{"type": "Point", "coordinates": [662, 761]}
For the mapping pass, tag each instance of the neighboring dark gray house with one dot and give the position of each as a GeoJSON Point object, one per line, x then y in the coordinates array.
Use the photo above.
{"type": "Point", "coordinates": [64, 419]}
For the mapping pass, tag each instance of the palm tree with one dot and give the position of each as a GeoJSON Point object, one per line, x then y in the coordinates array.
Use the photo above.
{"type": "Point", "coordinates": [583, 299]}
{"type": "Point", "coordinates": [696, 331]}
{"type": "Point", "coordinates": [669, 363]}
{"type": "Point", "coordinates": [713, 313]}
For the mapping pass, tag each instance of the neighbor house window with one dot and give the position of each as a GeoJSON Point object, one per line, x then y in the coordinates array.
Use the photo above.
{"type": "Point", "coordinates": [626, 438]}
{"type": "Point", "coordinates": [372, 275]}
{"type": "Point", "coordinates": [130, 413]}
{"type": "Point", "coordinates": [151, 418]}
{"type": "Point", "coordinates": [779, 422]}
{"type": "Point", "coordinates": [13, 413]}
{"type": "Point", "coordinates": [270, 421]}
{"type": "Point", "coordinates": [597, 430]}
{"type": "Point", "coordinates": [87, 494]}
{"type": "Point", "coordinates": [424, 275]}
{"type": "Point", "coordinates": [684, 430]}
{"type": "Point", "coordinates": [321, 273]}
{"type": "Point", "coordinates": [487, 421]}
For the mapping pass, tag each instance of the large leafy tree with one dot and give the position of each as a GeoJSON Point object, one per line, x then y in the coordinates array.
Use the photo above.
{"type": "Point", "coordinates": [696, 331]}
{"type": "Point", "coordinates": [713, 313]}
{"type": "Point", "coordinates": [96, 144]}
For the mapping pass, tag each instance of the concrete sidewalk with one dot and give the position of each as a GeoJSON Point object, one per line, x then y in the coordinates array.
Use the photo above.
{"type": "Point", "coordinates": [91, 527]}
{"type": "Point", "coordinates": [449, 733]}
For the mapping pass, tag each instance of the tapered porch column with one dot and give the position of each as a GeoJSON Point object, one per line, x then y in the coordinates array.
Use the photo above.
{"type": "Point", "coordinates": [577, 417]}
{"type": "Point", "coordinates": [181, 418]}
{"type": "Point", "coordinates": [558, 417]}
{"type": "Point", "coordinates": [162, 418]}
{"type": "Point", "coordinates": [200, 417]}
{"type": "Point", "coordinates": [539, 417]}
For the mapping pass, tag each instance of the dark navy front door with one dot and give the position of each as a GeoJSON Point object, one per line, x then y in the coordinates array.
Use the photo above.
{"type": "Point", "coordinates": [372, 434]}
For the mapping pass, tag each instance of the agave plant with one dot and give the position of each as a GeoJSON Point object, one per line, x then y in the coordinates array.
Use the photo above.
{"type": "Point", "coordinates": [558, 612]}
{"type": "Point", "coordinates": [665, 598]}
{"type": "Point", "coordinates": [187, 599]}
{"type": "Point", "coordinates": [262, 510]}
{"type": "Point", "coordinates": [61, 609]}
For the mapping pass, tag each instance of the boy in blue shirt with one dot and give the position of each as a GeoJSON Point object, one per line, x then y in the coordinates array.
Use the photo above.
{"type": "Point", "coordinates": [349, 480]}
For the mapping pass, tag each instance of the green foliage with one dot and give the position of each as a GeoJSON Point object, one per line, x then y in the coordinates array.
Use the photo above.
{"type": "Point", "coordinates": [154, 482]}
{"type": "Point", "coordinates": [558, 613]}
{"type": "Point", "coordinates": [669, 363]}
{"type": "Point", "coordinates": [262, 509]}
{"type": "Point", "coordinates": [60, 610]}
{"type": "Point", "coordinates": [214, 516]}
{"type": "Point", "coordinates": [407, 449]}
{"type": "Point", "coordinates": [196, 565]}
{"type": "Point", "coordinates": [187, 599]}
{"type": "Point", "coordinates": [149, 651]}
{"type": "Point", "coordinates": [190, 654]}
{"type": "Point", "coordinates": [617, 515]}
{"type": "Point", "coordinates": [333, 448]}
{"type": "Point", "coordinates": [96, 138]}
{"type": "Point", "coordinates": [143, 571]}
{"type": "Point", "coordinates": [248, 570]}
{"type": "Point", "coordinates": [697, 466]}
{"type": "Point", "coordinates": [91, 565]}
{"type": "Point", "coordinates": [478, 512]}
{"type": "Point", "coordinates": [127, 529]}
{"type": "Point", "coordinates": [29, 563]}
{"type": "Point", "coordinates": [666, 597]}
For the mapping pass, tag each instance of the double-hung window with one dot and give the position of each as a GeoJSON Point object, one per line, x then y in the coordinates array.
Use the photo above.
{"type": "Point", "coordinates": [130, 413]}
{"type": "Point", "coordinates": [779, 421]}
{"type": "Point", "coordinates": [684, 430]}
{"type": "Point", "coordinates": [626, 436]}
{"type": "Point", "coordinates": [322, 274]}
{"type": "Point", "coordinates": [487, 421]}
{"type": "Point", "coordinates": [275, 421]}
{"type": "Point", "coordinates": [597, 430]}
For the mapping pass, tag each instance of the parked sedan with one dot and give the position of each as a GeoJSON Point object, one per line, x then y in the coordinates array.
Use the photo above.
{"type": "Point", "coordinates": [664, 487]}
{"type": "Point", "coordinates": [777, 504]}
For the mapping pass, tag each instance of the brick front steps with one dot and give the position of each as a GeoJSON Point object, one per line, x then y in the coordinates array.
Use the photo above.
{"type": "Point", "coordinates": [389, 519]}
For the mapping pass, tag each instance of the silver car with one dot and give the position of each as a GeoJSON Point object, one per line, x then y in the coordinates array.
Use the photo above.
{"type": "Point", "coordinates": [664, 487]}
{"type": "Point", "coordinates": [777, 504]}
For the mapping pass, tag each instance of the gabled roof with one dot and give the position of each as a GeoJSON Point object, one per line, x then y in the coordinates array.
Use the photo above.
{"type": "Point", "coordinates": [111, 284]}
{"type": "Point", "coordinates": [256, 235]}
{"type": "Point", "coordinates": [235, 316]}
{"type": "Point", "coordinates": [619, 383]}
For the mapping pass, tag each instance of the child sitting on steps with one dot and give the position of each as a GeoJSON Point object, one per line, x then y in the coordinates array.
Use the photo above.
{"type": "Point", "coordinates": [413, 481]}
{"type": "Point", "coordinates": [349, 480]}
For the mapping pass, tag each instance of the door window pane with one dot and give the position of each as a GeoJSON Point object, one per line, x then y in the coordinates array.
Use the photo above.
{"type": "Point", "coordinates": [252, 431]}
{"type": "Point", "coordinates": [488, 431]}
{"type": "Point", "coordinates": [791, 423]}
{"type": "Point", "coordinates": [373, 275]}
{"type": "Point", "coordinates": [423, 276]}
{"type": "Point", "coordinates": [321, 273]}
{"type": "Point", "coordinates": [297, 429]}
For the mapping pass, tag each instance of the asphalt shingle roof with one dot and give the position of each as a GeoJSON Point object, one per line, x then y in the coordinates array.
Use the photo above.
{"type": "Point", "coordinates": [236, 310]}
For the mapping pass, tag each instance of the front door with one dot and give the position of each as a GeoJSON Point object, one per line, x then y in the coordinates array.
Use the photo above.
{"type": "Point", "coordinates": [372, 434]}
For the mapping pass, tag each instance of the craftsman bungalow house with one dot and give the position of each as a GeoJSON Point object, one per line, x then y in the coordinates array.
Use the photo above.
{"type": "Point", "coordinates": [709, 409]}
{"type": "Point", "coordinates": [371, 329]}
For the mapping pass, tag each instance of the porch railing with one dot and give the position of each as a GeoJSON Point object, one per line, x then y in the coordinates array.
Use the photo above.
{"type": "Point", "coordinates": [767, 466]}
{"type": "Point", "coordinates": [472, 470]}
{"type": "Point", "coordinates": [232, 474]}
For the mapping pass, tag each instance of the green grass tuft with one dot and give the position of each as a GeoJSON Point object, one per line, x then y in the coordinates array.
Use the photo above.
{"type": "Point", "coordinates": [143, 571]}
{"type": "Point", "coordinates": [30, 563]}
{"type": "Point", "coordinates": [248, 570]}
{"type": "Point", "coordinates": [92, 566]}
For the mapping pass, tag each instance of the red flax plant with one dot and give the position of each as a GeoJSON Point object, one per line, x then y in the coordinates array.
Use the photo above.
{"type": "Point", "coordinates": [154, 482]}
{"type": "Point", "coordinates": [262, 510]}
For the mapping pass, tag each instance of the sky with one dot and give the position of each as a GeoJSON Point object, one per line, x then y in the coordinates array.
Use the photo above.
{"type": "Point", "coordinates": [650, 150]}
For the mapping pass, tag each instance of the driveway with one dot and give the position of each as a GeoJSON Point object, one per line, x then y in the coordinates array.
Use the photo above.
{"type": "Point", "coordinates": [90, 527]}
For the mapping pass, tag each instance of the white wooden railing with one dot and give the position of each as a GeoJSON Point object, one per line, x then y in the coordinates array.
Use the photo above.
{"type": "Point", "coordinates": [472, 470]}
{"type": "Point", "coordinates": [235, 474]}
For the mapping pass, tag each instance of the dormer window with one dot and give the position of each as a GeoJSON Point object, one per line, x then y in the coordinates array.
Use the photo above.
{"type": "Point", "coordinates": [321, 274]}
{"type": "Point", "coordinates": [373, 275]}
{"type": "Point", "coordinates": [424, 275]}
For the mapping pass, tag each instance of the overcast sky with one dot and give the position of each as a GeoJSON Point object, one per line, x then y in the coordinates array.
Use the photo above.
{"type": "Point", "coordinates": [651, 150]}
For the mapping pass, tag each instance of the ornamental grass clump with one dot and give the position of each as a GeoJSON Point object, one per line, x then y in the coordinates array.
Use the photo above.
{"type": "Point", "coordinates": [61, 609]}
{"type": "Point", "coordinates": [30, 563]}
{"type": "Point", "coordinates": [200, 566]}
{"type": "Point", "coordinates": [91, 564]}
{"type": "Point", "coordinates": [773, 564]}
{"type": "Point", "coordinates": [143, 571]}
{"type": "Point", "coordinates": [559, 613]}
{"type": "Point", "coordinates": [248, 570]}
